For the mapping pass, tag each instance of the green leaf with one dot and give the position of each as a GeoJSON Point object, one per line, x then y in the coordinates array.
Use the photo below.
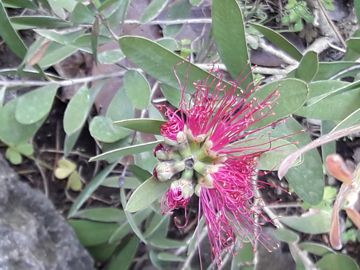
{"type": "Point", "coordinates": [313, 223]}
{"type": "Point", "coordinates": [181, 9]}
{"type": "Point", "coordinates": [95, 39]}
{"type": "Point", "coordinates": [169, 43]}
{"type": "Point", "coordinates": [148, 192]}
{"type": "Point", "coordinates": [245, 254]}
{"type": "Point", "coordinates": [139, 172]}
{"type": "Point", "coordinates": [82, 14]}
{"type": "Point", "coordinates": [137, 88]}
{"type": "Point", "coordinates": [306, 178]}
{"type": "Point", "coordinates": [26, 149]}
{"type": "Point", "coordinates": [357, 9]}
{"type": "Point", "coordinates": [337, 261]}
{"type": "Point", "coordinates": [130, 218]}
{"type": "Point", "coordinates": [308, 66]}
{"type": "Point", "coordinates": [30, 22]}
{"type": "Point", "coordinates": [116, 182]}
{"type": "Point", "coordinates": [158, 225]}
{"type": "Point", "coordinates": [125, 257]}
{"type": "Point", "coordinates": [196, 2]}
{"type": "Point", "coordinates": [102, 214]}
{"type": "Point", "coordinates": [329, 148]}
{"type": "Point", "coordinates": [336, 70]}
{"type": "Point", "coordinates": [352, 120]}
{"type": "Point", "coordinates": [153, 10]}
{"type": "Point", "coordinates": [103, 129]}
{"type": "Point", "coordinates": [9, 35]}
{"type": "Point", "coordinates": [13, 156]}
{"type": "Point", "coordinates": [279, 41]}
{"type": "Point", "coordinates": [160, 62]}
{"type": "Point", "coordinates": [91, 233]}
{"type": "Point", "coordinates": [120, 107]}
{"type": "Point", "coordinates": [229, 34]}
{"type": "Point", "coordinates": [170, 257]}
{"type": "Point", "coordinates": [286, 235]}
{"type": "Point", "coordinates": [110, 56]}
{"type": "Point", "coordinates": [173, 95]}
{"type": "Point", "coordinates": [74, 182]}
{"type": "Point", "coordinates": [145, 125]}
{"type": "Point", "coordinates": [329, 108]}
{"type": "Point", "coordinates": [35, 105]}
{"type": "Point", "coordinates": [124, 151]}
{"type": "Point", "coordinates": [90, 188]}
{"type": "Point", "coordinates": [77, 111]}
{"type": "Point", "coordinates": [278, 150]}
{"type": "Point", "coordinates": [125, 227]}
{"type": "Point", "coordinates": [293, 94]}
{"type": "Point", "coordinates": [55, 54]}
{"type": "Point", "coordinates": [70, 141]}
{"type": "Point", "coordinates": [315, 248]}
{"type": "Point", "coordinates": [352, 49]}
{"type": "Point", "coordinates": [19, 4]}
{"type": "Point", "coordinates": [166, 243]}
{"type": "Point", "coordinates": [102, 252]}
{"type": "Point", "coordinates": [11, 131]}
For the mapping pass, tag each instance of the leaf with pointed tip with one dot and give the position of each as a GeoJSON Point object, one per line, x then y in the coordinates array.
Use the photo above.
{"type": "Point", "coordinates": [229, 34]}
{"type": "Point", "coordinates": [293, 94]}
{"type": "Point", "coordinates": [308, 66]}
{"type": "Point", "coordinates": [161, 63]}
{"type": "Point", "coordinates": [279, 41]}
{"type": "Point", "coordinates": [148, 192]}
{"type": "Point", "coordinates": [145, 125]}
{"type": "Point", "coordinates": [124, 151]}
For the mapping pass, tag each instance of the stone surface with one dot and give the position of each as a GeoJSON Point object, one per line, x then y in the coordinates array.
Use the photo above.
{"type": "Point", "coordinates": [33, 235]}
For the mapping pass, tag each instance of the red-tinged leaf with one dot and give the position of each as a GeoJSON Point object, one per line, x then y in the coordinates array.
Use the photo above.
{"type": "Point", "coordinates": [354, 216]}
{"type": "Point", "coordinates": [335, 232]}
{"type": "Point", "coordinates": [38, 55]}
{"type": "Point", "coordinates": [337, 168]}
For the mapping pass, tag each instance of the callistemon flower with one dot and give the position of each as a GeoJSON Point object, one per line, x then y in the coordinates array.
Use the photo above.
{"type": "Point", "coordinates": [204, 154]}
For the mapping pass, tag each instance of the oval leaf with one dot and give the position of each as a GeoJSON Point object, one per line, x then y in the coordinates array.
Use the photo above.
{"type": "Point", "coordinates": [137, 88]}
{"type": "Point", "coordinates": [77, 111]}
{"type": "Point", "coordinates": [148, 192]}
{"type": "Point", "coordinates": [337, 261]}
{"type": "Point", "coordinates": [35, 105]}
{"type": "Point", "coordinates": [160, 62]}
{"type": "Point", "coordinates": [102, 129]}
{"type": "Point", "coordinates": [314, 223]}
{"type": "Point", "coordinates": [306, 178]}
{"type": "Point", "coordinates": [293, 94]}
{"type": "Point", "coordinates": [229, 34]}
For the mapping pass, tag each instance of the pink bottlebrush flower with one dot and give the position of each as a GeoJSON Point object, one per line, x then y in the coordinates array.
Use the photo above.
{"type": "Point", "coordinates": [178, 196]}
{"type": "Point", "coordinates": [204, 134]}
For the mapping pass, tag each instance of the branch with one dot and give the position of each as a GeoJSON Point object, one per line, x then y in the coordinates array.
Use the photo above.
{"type": "Point", "coordinates": [68, 82]}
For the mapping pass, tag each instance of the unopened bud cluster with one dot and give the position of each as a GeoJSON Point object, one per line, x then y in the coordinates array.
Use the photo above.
{"type": "Point", "coordinates": [188, 162]}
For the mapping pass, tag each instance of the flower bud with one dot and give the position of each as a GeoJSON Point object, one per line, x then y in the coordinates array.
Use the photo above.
{"type": "Point", "coordinates": [165, 170]}
{"type": "Point", "coordinates": [184, 186]}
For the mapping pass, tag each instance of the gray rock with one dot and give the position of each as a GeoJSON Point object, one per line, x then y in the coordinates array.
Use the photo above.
{"type": "Point", "coordinates": [33, 236]}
